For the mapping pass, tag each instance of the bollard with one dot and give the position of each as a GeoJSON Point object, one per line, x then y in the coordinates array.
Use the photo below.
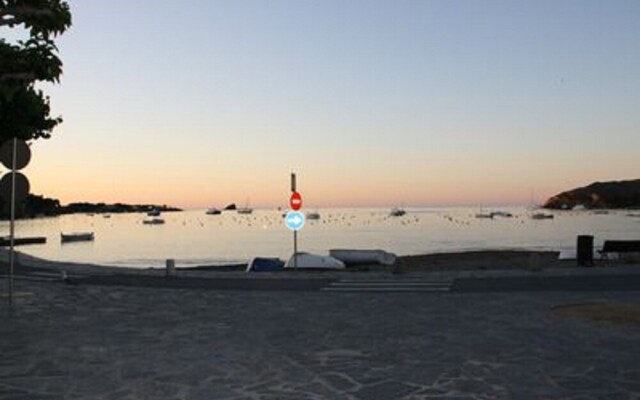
{"type": "Point", "coordinates": [584, 252]}
{"type": "Point", "coordinates": [535, 264]}
{"type": "Point", "coordinates": [171, 267]}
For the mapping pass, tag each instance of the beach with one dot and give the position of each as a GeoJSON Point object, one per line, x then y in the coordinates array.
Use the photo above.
{"type": "Point", "coordinates": [92, 341]}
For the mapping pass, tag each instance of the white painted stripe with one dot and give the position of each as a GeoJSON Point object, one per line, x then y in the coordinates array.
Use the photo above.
{"type": "Point", "coordinates": [33, 278]}
{"type": "Point", "coordinates": [46, 274]}
{"type": "Point", "coordinates": [384, 289]}
{"type": "Point", "coordinates": [390, 280]}
{"type": "Point", "coordinates": [382, 284]}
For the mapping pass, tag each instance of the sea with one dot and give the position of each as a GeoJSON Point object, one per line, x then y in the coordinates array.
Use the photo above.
{"type": "Point", "coordinates": [193, 238]}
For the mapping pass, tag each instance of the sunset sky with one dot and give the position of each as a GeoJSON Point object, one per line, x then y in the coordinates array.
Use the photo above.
{"type": "Point", "coordinates": [382, 103]}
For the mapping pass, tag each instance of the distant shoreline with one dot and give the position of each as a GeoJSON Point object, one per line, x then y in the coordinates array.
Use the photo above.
{"type": "Point", "coordinates": [36, 206]}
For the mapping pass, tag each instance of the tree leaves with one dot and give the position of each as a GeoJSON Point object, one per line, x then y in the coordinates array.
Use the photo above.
{"type": "Point", "coordinates": [25, 111]}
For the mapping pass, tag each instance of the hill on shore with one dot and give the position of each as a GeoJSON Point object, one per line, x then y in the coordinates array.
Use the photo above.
{"type": "Point", "coordinates": [612, 194]}
{"type": "Point", "coordinates": [37, 205]}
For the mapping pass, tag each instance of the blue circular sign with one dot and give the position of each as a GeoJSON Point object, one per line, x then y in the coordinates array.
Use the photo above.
{"type": "Point", "coordinates": [294, 220]}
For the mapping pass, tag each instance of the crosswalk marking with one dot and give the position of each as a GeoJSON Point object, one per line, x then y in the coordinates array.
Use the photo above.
{"type": "Point", "coordinates": [390, 285]}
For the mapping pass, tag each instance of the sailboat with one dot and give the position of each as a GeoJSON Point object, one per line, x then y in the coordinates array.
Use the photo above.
{"type": "Point", "coordinates": [246, 209]}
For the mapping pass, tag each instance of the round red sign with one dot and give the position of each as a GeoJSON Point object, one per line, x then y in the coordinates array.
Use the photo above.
{"type": "Point", "coordinates": [295, 201]}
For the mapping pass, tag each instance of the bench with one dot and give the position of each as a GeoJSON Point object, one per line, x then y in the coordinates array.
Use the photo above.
{"type": "Point", "coordinates": [619, 246]}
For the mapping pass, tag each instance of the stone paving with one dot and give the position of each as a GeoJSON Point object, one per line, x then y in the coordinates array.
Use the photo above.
{"type": "Point", "coordinates": [112, 343]}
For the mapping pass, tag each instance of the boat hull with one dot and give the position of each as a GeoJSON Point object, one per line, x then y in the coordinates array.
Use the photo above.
{"type": "Point", "coordinates": [314, 261]}
{"type": "Point", "coordinates": [76, 237]}
{"type": "Point", "coordinates": [265, 264]}
{"type": "Point", "coordinates": [354, 256]}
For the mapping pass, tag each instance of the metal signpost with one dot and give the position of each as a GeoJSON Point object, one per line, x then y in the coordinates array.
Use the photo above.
{"type": "Point", "coordinates": [14, 154]}
{"type": "Point", "coordinates": [294, 219]}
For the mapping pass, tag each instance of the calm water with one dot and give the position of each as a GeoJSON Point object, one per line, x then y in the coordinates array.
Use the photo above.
{"type": "Point", "coordinates": [193, 238]}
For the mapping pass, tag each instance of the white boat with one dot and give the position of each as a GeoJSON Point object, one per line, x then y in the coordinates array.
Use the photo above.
{"type": "Point", "coordinates": [76, 237]}
{"type": "Point", "coordinates": [154, 213]}
{"type": "Point", "coordinates": [313, 261]}
{"type": "Point", "coordinates": [352, 256]}
{"type": "Point", "coordinates": [503, 214]}
{"type": "Point", "coordinates": [397, 212]}
{"type": "Point", "coordinates": [153, 221]}
{"type": "Point", "coordinates": [213, 211]}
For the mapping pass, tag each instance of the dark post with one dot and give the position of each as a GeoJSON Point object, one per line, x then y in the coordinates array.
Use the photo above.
{"type": "Point", "coordinates": [584, 253]}
{"type": "Point", "coordinates": [295, 233]}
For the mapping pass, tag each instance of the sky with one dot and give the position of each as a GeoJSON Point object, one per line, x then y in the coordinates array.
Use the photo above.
{"type": "Point", "coordinates": [372, 103]}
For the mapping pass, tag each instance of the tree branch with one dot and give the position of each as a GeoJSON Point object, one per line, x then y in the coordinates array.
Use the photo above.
{"type": "Point", "coordinates": [18, 76]}
{"type": "Point", "coordinates": [26, 11]}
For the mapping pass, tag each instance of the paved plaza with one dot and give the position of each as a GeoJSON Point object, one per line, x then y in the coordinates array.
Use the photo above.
{"type": "Point", "coordinates": [110, 342]}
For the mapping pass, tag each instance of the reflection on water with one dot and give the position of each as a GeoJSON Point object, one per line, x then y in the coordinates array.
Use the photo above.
{"type": "Point", "coordinates": [192, 237]}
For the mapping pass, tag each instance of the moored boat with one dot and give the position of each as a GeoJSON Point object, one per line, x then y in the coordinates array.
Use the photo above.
{"type": "Point", "coordinates": [541, 216]}
{"type": "Point", "coordinates": [245, 210]}
{"type": "Point", "coordinates": [213, 211]}
{"type": "Point", "coordinates": [19, 241]}
{"type": "Point", "coordinates": [484, 215]}
{"type": "Point", "coordinates": [76, 237]}
{"type": "Point", "coordinates": [153, 221]}
{"type": "Point", "coordinates": [313, 216]}
{"type": "Point", "coordinates": [397, 212]}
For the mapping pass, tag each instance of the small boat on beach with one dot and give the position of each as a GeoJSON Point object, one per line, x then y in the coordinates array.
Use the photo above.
{"type": "Point", "coordinates": [313, 261]}
{"type": "Point", "coordinates": [153, 221]}
{"type": "Point", "coordinates": [76, 237]}
{"type": "Point", "coordinates": [313, 216]}
{"type": "Point", "coordinates": [153, 213]}
{"type": "Point", "coordinates": [264, 264]}
{"type": "Point", "coordinates": [354, 256]}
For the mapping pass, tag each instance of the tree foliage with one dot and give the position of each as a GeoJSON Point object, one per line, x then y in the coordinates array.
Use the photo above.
{"type": "Point", "coordinates": [25, 110]}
